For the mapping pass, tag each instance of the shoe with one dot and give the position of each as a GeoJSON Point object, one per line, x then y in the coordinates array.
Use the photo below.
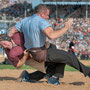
{"type": "Point", "coordinates": [24, 77]}
{"type": "Point", "coordinates": [54, 80]}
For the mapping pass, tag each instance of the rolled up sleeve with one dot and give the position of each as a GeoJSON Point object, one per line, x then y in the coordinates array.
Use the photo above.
{"type": "Point", "coordinates": [44, 24]}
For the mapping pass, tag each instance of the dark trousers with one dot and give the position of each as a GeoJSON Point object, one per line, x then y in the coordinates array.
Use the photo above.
{"type": "Point", "coordinates": [56, 69]}
{"type": "Point", "coordinates": [36, 76]}
{"type": "Point", "coordinates": [62, 57]}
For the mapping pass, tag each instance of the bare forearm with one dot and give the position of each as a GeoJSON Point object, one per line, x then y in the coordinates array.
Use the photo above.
{"type": "Point", "coordinates": [52, 34]}
{"type": "Point", "coordinates": [22, 61]}
{"type": "Point", "coordinates": [58, 33]}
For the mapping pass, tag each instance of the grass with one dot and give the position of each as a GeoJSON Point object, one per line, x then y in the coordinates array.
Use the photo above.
{"type": "Point", "coordinates": [67, 68]}
{"type": "Point", "coordinates": [12, 67]}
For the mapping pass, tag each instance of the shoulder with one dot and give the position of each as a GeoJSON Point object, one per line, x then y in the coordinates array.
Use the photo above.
{"type": "Point", "coordinates": [25, 19]}
{"type": "Point", "coordinates": [43, 21]}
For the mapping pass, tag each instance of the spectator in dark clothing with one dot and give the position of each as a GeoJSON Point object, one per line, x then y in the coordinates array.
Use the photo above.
{"type": "Point", "coordinates": [71, 46]}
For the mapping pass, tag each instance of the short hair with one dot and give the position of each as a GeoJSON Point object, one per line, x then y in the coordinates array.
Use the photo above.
{"type": "Point", "coordinates": [41, 8]}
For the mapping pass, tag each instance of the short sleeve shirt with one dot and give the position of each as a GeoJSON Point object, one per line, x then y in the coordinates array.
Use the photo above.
{"type": "Point", "coordinates": [32, 28]}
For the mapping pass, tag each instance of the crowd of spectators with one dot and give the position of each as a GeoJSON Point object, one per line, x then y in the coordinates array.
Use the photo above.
{"type": "Point", "coordinates": [79, 31]}
{"type": "Point", "coordinates": [15, 10]}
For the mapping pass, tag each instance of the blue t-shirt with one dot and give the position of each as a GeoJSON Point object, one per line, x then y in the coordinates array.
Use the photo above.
{"type": "Point", "coordinates": [32, 28]}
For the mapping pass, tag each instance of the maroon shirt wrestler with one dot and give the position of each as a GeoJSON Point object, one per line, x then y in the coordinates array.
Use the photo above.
{"type": "Point", "coordinates": [17, 52]}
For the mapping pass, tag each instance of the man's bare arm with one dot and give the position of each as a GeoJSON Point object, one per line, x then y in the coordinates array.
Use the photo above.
{"type": "Point", "coordinates": [52, 34]}
{"type": "Point", "coordinates": [23, 60]}
{"type": "Point", "coordinates": [12, 31]}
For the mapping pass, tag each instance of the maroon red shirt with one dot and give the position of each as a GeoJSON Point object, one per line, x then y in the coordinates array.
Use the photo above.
{"type": "Point", "coordinates": [17, 52]}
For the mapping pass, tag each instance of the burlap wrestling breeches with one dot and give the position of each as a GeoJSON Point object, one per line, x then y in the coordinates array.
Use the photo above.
{"type": "Point", "coordinates": [34, 64]}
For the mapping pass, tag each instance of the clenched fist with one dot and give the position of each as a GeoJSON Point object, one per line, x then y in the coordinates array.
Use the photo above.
{"type": "Point", "coordinates": [69, 23]}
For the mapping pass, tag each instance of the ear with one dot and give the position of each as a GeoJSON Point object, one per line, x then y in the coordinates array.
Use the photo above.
{"type": "Point", "coordinates": [42, 15]}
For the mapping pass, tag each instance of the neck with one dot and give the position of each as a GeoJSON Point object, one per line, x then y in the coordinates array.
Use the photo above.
{"type": "Point", "coordinates": [38, 14]}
